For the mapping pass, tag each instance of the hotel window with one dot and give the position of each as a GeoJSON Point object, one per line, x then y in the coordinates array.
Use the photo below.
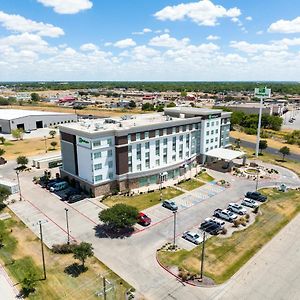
{"type": "Point", "coordinates": [207, 124]}
{"type": "Point", "coordinates": [97, 166]}
{"type": "Point", "coordinates": [147, 163]}
{"type": "Point", "coordinates": [147, 135]}
{"type": "Point", "coordinates": [109, 153]}
{"type": "Point", "coordinates": [180, 128]}
{"type": "Point", "coordinates": [211, 140]}
{"type": "Point", "coordinates": [174, 143]}
{"type": "Point", "coordinates": [217, 123]}
{"type": "Point", "coordinates": [138, 136]}
{"type": "Point", "coordinates": [174, 157]}
{"type": "Point", "coordinates": [207, 132]}
{"type": "Point", "coordinates": [109, 142]}
{"type": "Point", "coordinates": [157, 162]}
{"type": "Point", "coordinates": [110, 176]}
{"type": "Point", "coordinates": [194, 126]}
{"type": "Point", "coordinates": [212, 123]}
{"type": "Point", "coordinates": [98, 178]}
{"type": "Point", "coordinates": [157, 133]}
{"type": "Point", "coordinates": [217, 130]}
{"type": "Point", "coordinates": [96, 143]}
{"type": "Point", "coordinates": [174, 130]}
{"type": "Point", "coordinates": [165, 142]}
{"type": "Point", "coordinates": [216, 146]}
{"type": "Point", "coordinates": [206, 149]}
{"type": "Point", "coordinates": [138, 152]}
{"type": "Point", "coordinates": [129, 150]}
{"type": "Point", "coordinates": [165, 158]}
{"type": "Point", "coordinates": [181, 138]}
{"type": "Point", "coordinates": [180, 154]}
{"type": "Point", "coordinates": [165, 151]}
{"type": "Point", "coordinates": [211, 147]}
{"type": "Point", "coordinates": [147, 145]}
{"type": "Point", "coordinates": [97, 155]}
{"type": "Point", "coordinates": [187, 154]}
{"type": "Point", "coordinates": [129, 138]}
{"type": "Point", "coordinates": [147, 154]}
{"type": "Point", "coordinates": [165, 132]}
{"type": "Point", "coordinates": [207, 141]}
{"type": "Point", "coordinates": [216, 139]}
{"type": "Point", "coordinates": [139, 167]}
{"type": "Point", "coordinates": [212, 132]}
{"type": "Point", "coordinates": [157, 144]}
{"type": "Point", "coordinates": [110, 164]}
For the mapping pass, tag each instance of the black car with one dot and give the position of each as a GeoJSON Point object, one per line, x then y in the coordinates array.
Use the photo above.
{"type": "Point", "coordinates": [69, 193]}
{"type": "Point", "coordinates": [75, 198]}
{"type": "Point", "coordinates": [211, 227]}
{"type": "Point", "coordinates": [256, 196]}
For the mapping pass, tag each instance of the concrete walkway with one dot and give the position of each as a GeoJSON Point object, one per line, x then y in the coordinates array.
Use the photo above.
{"type": "Point", "coordinates": [7, 290]}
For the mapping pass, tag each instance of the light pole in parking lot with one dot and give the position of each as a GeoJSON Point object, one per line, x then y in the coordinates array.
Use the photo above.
{"type": "Point", "coordinates": [67, 220]}
{"type": "Point", "coordinates": [160, 186]}
{"type": "Point", "coordinates": [257, 175]}
{"type": "Point", "coordinates": [42, 246]}
{"type": "Point", "coordinates": [17, 172]}
{"type": "Point", "coordinates": [174, 232]}
{"type": "Point", "coordinates": [202, 257]}
{"type": "Point", "coordinates": [45, 139]}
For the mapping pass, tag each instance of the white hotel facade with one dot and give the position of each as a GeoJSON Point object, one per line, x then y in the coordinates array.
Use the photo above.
{"type": "Point", "coordinates": [131, 152]}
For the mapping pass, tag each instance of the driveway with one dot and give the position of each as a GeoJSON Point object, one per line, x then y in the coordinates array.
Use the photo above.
{"type": "Point", "coordinates": [134, 259]}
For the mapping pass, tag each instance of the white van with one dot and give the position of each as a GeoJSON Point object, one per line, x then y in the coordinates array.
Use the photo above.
{"type": "Point", "coordinates": [59, 186]}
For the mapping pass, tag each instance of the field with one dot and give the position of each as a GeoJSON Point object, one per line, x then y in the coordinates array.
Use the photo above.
{"type": "Point", "coordinates": [21, 255]}
{"type": "Point", "coordinates": [143, 201]}
{"type": "Point", "coordinates": [28, 147]}
{"type": "Point", "coordinates": [271, 142]}
{"type": "Point", "coordinates": [190, 184]}
{"type": "Point", "coordinates": [225, 256]}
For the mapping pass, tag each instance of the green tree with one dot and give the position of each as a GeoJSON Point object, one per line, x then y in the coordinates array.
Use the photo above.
{"type": "Point", "coordinates": [148, 106]}
{"type": "Point", "coordinates": [28, 284]}
{"type": "Point", "coordinates": [22, 160]}
{"type": "Point", "coordinates": [171, 104]}
{"type": "Point", "coordinates": [284, 151]}
{"type": "Point", "coordinates": [2, 140]}
{"type": "Point", "coordinates": [53, 144]}
{"type": "Point", "coordinates": [132, 104]}
{"type": "Point", "coordinates": [35, 97]}
{"type": "Point", "coordinates": [263, 144]}
{"type": "Point", "coordinates": [4, 194]}
{"type": "Point", "coordinates": [52, 133]}
{"type": "Point", "coordinates": [17, 134]}
{"type": "Point", "coordinates": [82, 252]}
{"type": "Point", "coordinates": [183, 94]}
{"type": "Point", "coordinates": [2, 152]}
{"type": "Point", "coordinates": [119, 216]}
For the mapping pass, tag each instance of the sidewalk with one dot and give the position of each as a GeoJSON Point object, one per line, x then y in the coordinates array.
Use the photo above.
{"type": "Point", "coordinates": [8, 291]}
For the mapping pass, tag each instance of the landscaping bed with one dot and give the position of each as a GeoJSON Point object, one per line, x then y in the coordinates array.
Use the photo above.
{"type": "Point", "coordinates": [190, 184]}
{"type": "Point", "coordinates": [205, 177]}
{"type": "Point", "coordinates": [144, 200]}
{"type": "Point", "coordinates": [225, 256]}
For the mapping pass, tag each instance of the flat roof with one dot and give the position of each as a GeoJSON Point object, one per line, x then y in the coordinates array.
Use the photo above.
{"type": "Point", "coordinates": [10, 114]}
{"type": "Point", "coordinates": [193, 110]}
{"type": "Point", "coordinates": [223, 153]}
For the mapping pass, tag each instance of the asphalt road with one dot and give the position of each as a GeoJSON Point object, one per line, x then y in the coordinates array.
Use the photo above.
{"type": "Point", "coordinates": [133, 258]}
{"type": "Point", "coordinates": [270, 150]}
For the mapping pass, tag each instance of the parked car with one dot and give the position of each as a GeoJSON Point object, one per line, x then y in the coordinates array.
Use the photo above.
{"type": "Point", "coordinates": [215, 220]}
{"type": "Point", "coordinates": [237, 208]}
{"type": "Point", "coordinates": [75, 198]}
{"type": "Point", "coordinates": [211, 227]}
{"type": "Point", "coordinates": [52, 182]}
{"type": "Point", "coordinates": [70, 193]}
{"type": "Point", "coordinates": [192, 237]}
{"type": "Point", "coordinates": [249, 202]}
{"type": "Point", "coordinates": [256, 196]}
{"type": "Point", "coordinates": [143, 219]}
{"type": "Point", "coordinates": [170, 205]}
{"type": "Point", "coordinates": [59, 186]}
{"type": "Point", "coordinates": [225, 215]}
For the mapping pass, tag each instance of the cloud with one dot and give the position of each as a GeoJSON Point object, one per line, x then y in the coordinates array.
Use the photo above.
{"type": "Point", "coordinates": [249, 18]}
{"type": "Point", "coordinates": [255, 48]}
{"type": "Point", "coordinates": [212, 37]}
{"type": "Point", "coordinates": [125, 43]}
{"type": "Point", "coordinates": [67, 6]}
{"type": "Point", "coordinates": [165, 40]}
{"type": "Point", "coordinates": [144, 53]}
{"type": "Point", "coordinates": [203, 13]}
{"type": "Point", "coordinates": [260, 32]}
{"type": "Point", "coordinates": [20, 24]}
{"type": "Point", "coordinates": [88, 47]}
{"type": "Point", "coordinates": [145, 30]}
{"type": "Point", "coordinates": [285, 26]}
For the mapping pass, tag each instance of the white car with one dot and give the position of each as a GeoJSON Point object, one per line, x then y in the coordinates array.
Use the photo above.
{"type": "Point", "coordinates": [215, 220]}
{"type": "Point", "coordinates": [192, 237]}
{"type": "Point", "coordinates": [225, 215]}
{"type": "Point", "coordinates": [249, 202]}
{"type": "Point", "coordinates": [237, 208]}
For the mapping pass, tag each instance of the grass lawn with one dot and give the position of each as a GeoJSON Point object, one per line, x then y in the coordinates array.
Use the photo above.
{"type": "Point", "coordinates": [143, 201]}
{"type": "Point", "coordinates": [275, 159]}
{"type": "Point", "coordinates": [22, 254]}
{"type": "Point", "coordinates": [225, 256]}
{"type": "Point", "coordinates": [205, 177]}
{"type": "Point", "coordinates": [28, 147]}
{"type": "Point", "coordinates": [190, 184]}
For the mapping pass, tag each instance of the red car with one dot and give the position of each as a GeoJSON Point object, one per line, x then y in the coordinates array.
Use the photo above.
{"type": "Point", "coordinates": [143, 219]}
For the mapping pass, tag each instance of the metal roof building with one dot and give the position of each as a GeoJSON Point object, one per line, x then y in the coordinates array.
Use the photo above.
{"type": "Point", "coordinates": [11, 119]}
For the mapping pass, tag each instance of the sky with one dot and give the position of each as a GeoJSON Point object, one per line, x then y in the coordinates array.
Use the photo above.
{"type": "Point", "coordinates": [144, 40]}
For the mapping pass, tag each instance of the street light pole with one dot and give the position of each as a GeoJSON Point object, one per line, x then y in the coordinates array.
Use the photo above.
{"type": "Point", "coordinates": [42, 246]}
{"type": "Point", "coordinates": [258, 127]}
{"type": "Point", "coordinates": [256, 187]}
{"type": "Point", "coordinates": [174, 232]}
{"type": "Point", "coordinates": [67, 220]}
{"type": "Point", "coordinates": [160, 186]}
{"type": "Point", "coordinates": [45, 138]}
{"type": "Point", "coordinates": [202, 257]}
{"type": "Point", "coordinates": [17, 172]}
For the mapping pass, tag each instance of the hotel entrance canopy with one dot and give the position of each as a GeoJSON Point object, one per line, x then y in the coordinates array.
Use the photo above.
{"type": "Point", "coordinates": [225, 154]}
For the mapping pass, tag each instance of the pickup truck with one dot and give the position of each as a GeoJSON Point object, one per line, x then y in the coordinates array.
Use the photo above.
{"type": "Point", "coordinates": [225, 215]}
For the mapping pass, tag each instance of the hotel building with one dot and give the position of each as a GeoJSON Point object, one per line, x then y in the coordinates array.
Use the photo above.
{"type": "Point", "coordinates": [135, 151]}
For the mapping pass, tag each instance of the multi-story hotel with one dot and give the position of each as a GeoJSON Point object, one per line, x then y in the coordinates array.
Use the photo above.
{"type": "Point", "coordinates": [134, 151]}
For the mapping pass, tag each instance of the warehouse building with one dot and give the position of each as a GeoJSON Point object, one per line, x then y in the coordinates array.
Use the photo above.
{"type": "Point", "coordinates": [11, 119]}
{"type": "Point", "coordinates": [133, 151]}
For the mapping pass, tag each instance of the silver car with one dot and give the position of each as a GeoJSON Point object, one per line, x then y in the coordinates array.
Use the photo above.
{"type": "Point", "coordinates": [249, 202]}
{"type": "Point", "coordinates": [237, 208]}
{"type": "Point", "coordinates": [192, 237]}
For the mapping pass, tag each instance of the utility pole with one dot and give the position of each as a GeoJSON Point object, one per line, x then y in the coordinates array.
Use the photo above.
{"type": "Point", "coordinates": [20, 193]}
{"type": "Point", "coordinates": [257, 175]}
{"type": "Point", "coordinates": [104, 288]}
{"type": "Point", "coordinates": [45, 138]}
{"type": "Point", "coordinates": [202, 257]}
{"type": "Point", "coordinates": [174, 232]}
{"type": "Point", "coordinates": [42, 246]}
{"type": "Point", "coordinates": [160, 186]}
{"type": "Point", "coordinates": [67, 220]}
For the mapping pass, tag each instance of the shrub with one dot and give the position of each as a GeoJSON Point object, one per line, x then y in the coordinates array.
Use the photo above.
{"type": "Point", "coordinates": [224, 231]}
{"type": "Point", "coordinates": [247, 217]}
{"type": "Point", "coordinates": [236, 223]}
{"type": "Point", "coordinates": [63, 248]}
{"type": "Point", "coordinates": [256, 209]}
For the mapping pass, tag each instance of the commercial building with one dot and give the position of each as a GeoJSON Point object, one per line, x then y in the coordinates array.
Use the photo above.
{"type": "Point", "coordinates": [11, 119]}
{"type": "Point", "coordinates": [134, 151]}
